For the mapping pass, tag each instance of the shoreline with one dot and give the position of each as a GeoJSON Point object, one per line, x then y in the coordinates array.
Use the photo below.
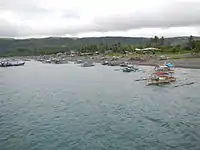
{"type": "Point", "coordinates": [188, 63]}
{"type": "Point", "coordinates": [192, 63]}
{"type": "Point", "coordinates": [176, 66]}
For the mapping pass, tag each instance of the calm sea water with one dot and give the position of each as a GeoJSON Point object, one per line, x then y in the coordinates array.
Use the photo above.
{"type": "Point", "coordinates": [67, 107]}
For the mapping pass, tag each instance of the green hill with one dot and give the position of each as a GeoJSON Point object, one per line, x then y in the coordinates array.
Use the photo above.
{"type": "Point", "coordinates": [51, 44]}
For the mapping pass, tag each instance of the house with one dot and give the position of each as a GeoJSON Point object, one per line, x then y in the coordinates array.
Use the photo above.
{"type": "Point", "coordinates": [72, 52]}
{"type": "Point", "coordinates": [59, 54]}
{"type": "Point", "coordinates": [108, 51]}
{"type": "Point", "coordinates": [147, 50]}
{"type": "Point", "coordinates": [97, 53]}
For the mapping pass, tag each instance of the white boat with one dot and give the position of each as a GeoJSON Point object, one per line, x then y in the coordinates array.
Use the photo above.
{"type": "Point", "coordinates": [87, 64]}
{"type": "Point", "coordinates": [11, 63]}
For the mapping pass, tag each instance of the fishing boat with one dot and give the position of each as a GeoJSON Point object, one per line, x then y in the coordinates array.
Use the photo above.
{"type": "Point", "coordinates": [124, 64]}
{"type": "Point", "coordinates": [105, 63]}
{"type": "Point", "coordinates": [11, 63]}
{"type": "Point", "coordinates": [127, 69]}
{"type": "Point", "coordinates": [161, 78]}
{"type": "Point", "coordinates": [87, 64]}
{"type": "Point", "coordinates": [163, 68]}
{"type": "Point", "coordinates": [166, 67]}
{"type": "Point", "coordinates": [130, 68]}
{"type": "Point", "coordinates": [78, 62]}
{"type": "Point", "coordinates": [112, 63]}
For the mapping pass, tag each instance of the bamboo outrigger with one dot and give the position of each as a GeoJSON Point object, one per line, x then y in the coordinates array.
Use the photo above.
{"type": "Point", "coordinates": [162, 75]}
{"type": "Point", "coordinates": [160, 80]}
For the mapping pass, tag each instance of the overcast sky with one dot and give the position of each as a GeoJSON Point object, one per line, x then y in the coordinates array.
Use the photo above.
{"type": "Point", "coordinates": [143, 18]}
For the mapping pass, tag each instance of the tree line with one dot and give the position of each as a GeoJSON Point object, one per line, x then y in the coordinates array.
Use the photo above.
{"type": "Point", "coordinates": [156, 42]}
{"type": "Point", "coordinates": [190, 45]}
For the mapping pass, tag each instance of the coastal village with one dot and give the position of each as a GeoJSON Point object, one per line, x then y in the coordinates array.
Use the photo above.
{"type": "Point", "coordinates": [162, 72]}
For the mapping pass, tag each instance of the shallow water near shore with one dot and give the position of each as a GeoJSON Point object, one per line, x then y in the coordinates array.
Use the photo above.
{"type": "Point", "coordinates": [59, 107]}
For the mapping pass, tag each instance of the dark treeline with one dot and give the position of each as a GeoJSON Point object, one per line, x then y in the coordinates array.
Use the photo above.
{"type": "Point", "coordinates": [13, 47]}
{"type": "Point", "coordinates": [190, 45]}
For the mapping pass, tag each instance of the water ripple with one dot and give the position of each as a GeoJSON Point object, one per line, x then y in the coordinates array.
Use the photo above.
{"type": "Point", "coordinates": [67, 107]}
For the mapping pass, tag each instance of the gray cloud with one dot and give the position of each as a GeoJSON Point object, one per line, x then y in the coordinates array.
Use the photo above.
{"type": "Point", "coordinates": [22, 8]}
{"type": "Point", "coordinates": [29, 9]}
{"type": "Point", "coordinates": [13, 30]}
{"type": "Point", "coordinates": [6, 29]}
{"type": "Point", "coordinates": [176, 14]}
{"type": "Point", "coordinates": [70, 14]}
{"type": "Point", "coordinates": [170, 14]}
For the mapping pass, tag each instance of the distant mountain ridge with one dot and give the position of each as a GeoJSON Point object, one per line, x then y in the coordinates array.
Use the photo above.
{"type": "Point", "coordinates": [7, 44]}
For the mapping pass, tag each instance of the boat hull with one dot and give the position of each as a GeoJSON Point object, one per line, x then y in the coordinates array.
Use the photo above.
{"type": "Point", "coordinates": [11, 64]}
{"type": "Point", "coordinates": [161, 82]}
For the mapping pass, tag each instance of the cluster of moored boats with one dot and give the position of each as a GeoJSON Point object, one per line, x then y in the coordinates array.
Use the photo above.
{"type": "Point", "coordinates": [162, 75]}
{"type": "Point", "coordinates": [126, 67]}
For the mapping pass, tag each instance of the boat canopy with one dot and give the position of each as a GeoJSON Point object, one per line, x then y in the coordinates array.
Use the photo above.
{"type": "Point", "coordinates": [159, 73]}
{"type": "Point", "coordinates": [169, 65]}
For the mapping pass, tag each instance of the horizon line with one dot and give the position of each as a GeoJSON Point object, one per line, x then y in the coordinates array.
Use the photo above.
{"type": "Point", "coordinates": [63, 37]}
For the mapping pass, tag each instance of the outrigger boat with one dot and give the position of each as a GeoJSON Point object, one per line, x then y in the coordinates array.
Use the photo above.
{"type": "Point", "coordinates": [161, 78]}
{"type": "Point", "coordinates": [167, 67]}
{"type": "Point", "coordinates": [130, 68]}
{"type": "Point", "coordinates": [162, 75]}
